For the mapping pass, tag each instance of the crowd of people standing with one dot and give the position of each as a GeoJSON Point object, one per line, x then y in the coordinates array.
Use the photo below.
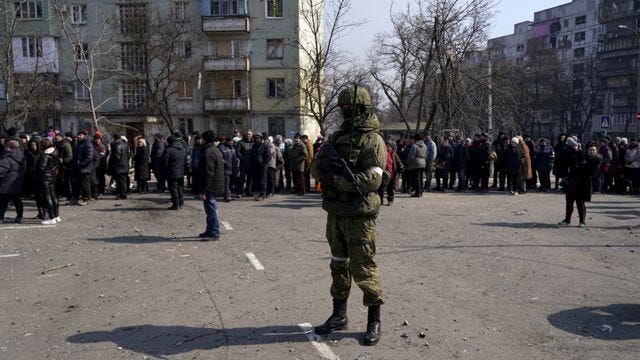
{"type": "Point", "coordinates": [76, 166]}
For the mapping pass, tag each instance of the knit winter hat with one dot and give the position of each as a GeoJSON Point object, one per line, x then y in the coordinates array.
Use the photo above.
{"type": "Point", "coordinates": [572, 142]}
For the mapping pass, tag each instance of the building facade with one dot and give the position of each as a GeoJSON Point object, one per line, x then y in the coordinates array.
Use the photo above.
{"type": "Point", "coordinates": [194, 65]}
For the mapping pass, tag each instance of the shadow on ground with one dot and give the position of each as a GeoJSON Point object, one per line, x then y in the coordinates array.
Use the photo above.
{"type": "Point", "coordinates": [534, 225]}
{"type": "Point", "coordinates": [144, 239]}
{"type": "Point", "coordinates": [612, 322]}
{"type": "Point", "coordinates": [159, 341]}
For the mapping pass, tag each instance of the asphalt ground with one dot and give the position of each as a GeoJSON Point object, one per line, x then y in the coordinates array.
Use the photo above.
{"type": "Point", "coordinates": [469, 276]}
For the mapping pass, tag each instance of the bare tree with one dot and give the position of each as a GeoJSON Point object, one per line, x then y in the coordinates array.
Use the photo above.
{"type": "Point", "coordinates": [423, 58]}
{"type": "Point", "coordinates": [31, 89]}
{"type": "Point", "coordinates": [92, 58]}
{"type": "Point", "coordinates": [324, 71]}
{"type": "Point", "coordinates": [159, 50]}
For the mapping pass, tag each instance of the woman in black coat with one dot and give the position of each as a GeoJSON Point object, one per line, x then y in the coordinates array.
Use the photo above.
{"type": "Point", "coordinates": [31, 155]}
{"type": "Point", "coordinates": [577, 183]}
{"type": "Point", "coordinates": [46, 173]}
{"type": "Point", "coordinates": [141, 166]}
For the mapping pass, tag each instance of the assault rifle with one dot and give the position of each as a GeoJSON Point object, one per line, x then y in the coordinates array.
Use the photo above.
{"type": "Point", "coordinates": [336, 165]}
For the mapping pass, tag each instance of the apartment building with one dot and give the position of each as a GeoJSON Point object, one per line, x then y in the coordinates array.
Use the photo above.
{"type": "Point", "coordinates": [221, 65]}
{"type": "Point", "coordinates": [572, 33]}
{"type": "Point", "coordinates": [618, 54]}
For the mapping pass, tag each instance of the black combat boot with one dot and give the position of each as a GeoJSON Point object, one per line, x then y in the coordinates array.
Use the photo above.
{"type": "Point", "coordinates": [337, 321]}
{"type": "Point", "coordinates": [373, 326]}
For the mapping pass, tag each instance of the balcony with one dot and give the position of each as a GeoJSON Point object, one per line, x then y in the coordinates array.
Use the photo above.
{"type": "Point", "coordinates": [226, 64]}
{"type": "Point", "coordinates": [608, 12]}
{"type": "Point", "coordinates": [227, 104]}
{"type": "Point", "coordinates": [225, 24]}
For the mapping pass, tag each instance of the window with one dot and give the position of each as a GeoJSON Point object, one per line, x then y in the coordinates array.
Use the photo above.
{"type": "Point", "coordinates": [185, 50]}
{"type": "Point", "coordinates": [81, 91]}
{"type": "Point", "coordinates": [31, 47]}
{"type": "Point", "coordinates": [28, 9]}
{"type": "Point", "coordinates": [224, 49]}
{"type": "Point", "coordinates": [275, 88]}
{"type": "Point", "coordinates": [183, 10]}
{"type": "Point", "coordinates": [276, 125]}
{"type": "Point", "coordinates": [82, 52]}
{"type": "Point", "coordinates": [581, 20]}
{"type": "Point", "coordinates": [134, 94]}
{"type": "Point", "coordinates": [132, 57]}
{"type": "Point", "coordinates": [578, 53]}
{"type": "Point", "coordinates": [274, 8]}
{"type": "Point", "coordinates": [185, 125]}
{"type": "Point", "coordinates": [565, 23]}
{"type": "Point", "coordinates": [228, 7]}
{"type": "Point", "coordinates": [79, 14]}
{"type": "Point", "coordinates": [578, 68]}
{"type": "Point", "coordinates": [185, 89]}
{"type": "Point", "coordinates": [275, 49]}
{"type": "Point", "coordinates": [637, 22]}
{"type": "Point", "coordinates": [520, 47]}
{"type": "Point", "coordinates": [579, 36]}
{"type": "Point", "coordinates": [237, 88]}
{"type": "Point", "coordinates": [132, 17]}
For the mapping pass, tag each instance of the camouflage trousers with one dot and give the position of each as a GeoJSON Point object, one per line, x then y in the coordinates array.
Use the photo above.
{"type": "Point", "coordinates": [353, 248]}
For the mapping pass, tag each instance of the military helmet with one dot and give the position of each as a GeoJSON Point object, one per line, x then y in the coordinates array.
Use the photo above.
{"type": "Point", "coordinates": [363, 98]}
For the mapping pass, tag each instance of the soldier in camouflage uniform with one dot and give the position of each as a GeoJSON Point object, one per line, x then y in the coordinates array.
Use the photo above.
{"type": "Point", "coordinates": [351, 220]}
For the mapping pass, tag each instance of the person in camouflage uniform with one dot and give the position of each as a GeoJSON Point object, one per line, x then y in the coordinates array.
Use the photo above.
{"type": "Point", "coordinates": [352, 208]}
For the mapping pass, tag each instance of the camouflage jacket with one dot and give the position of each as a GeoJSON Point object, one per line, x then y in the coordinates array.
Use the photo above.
{"type": "Point", "coordinates": [367, 161]}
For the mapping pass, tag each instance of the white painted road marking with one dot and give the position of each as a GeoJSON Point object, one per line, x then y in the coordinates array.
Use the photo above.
{"type": "Point", "coordinates": [9, 255]}
{"type": "Point", "coordinates": [226, 225]}
{"type": "Point", "coordinates": [25, 227]}
{"type": "Point", "coordinates": [322, 348]}
{"type": "Point", "coordinates": [256, 264]}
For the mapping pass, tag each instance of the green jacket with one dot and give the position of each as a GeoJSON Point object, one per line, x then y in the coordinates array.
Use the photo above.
{"type": "Point", "coordinates": [298, 157]}
{"type": "Point", "coordinates": [367, 162]}
{"type": "Point", "coordinates": [66, 152]}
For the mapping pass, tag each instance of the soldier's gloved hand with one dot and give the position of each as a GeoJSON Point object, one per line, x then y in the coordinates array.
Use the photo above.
{"type": "Point", "coordinates": [342, 184]}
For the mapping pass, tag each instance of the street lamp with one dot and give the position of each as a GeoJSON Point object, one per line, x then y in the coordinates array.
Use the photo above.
{"type": "Point", "coordinates": [637, 34]}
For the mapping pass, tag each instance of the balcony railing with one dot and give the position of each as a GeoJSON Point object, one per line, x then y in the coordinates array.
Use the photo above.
{"type": "Point", "coordinates": [227, 104]}
{"type": "Point", "coordinates": [225, 24]}
{"type": "Point", "coordinates": [226, 64]}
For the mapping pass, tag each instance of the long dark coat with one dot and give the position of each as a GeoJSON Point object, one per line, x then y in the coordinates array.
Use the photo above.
{"type": "Point", "coordinates": [581, 170]}
{"type": "Point", "coordinates": [12, 169]}
{"type": "Point", "coordinates": [141, 164]}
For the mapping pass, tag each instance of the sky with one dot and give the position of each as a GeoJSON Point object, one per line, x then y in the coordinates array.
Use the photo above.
{"type": "Point", "coordinates": [508, 13]}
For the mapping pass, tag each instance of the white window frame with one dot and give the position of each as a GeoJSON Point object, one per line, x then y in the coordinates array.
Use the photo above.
{"type": "Point", "coordinates": [183, 10]}
{"type": "Point", "coordinates": [185, 49]}
{"type": "Point", "coordinates": [275, 87]}
{"type": "Point", "coordinates": [580, 20]}
{"type": "Point", "coordinates": [32, 47]}
{"type": "Point", "coordinates": [270, 5]}
{"type": "Point", "coordinates": [79, 14]}
{"type": "Point", "coordinates": [275, 49]}
{"type": "Point", "coordinates": [28, 9]}
{"type": "Point", "coordinates": [80, 91]}
{"type": "Point", "coordinates": [578, 38]}
{"type": "Point", "coordinates": [132, 57]}
{"type": "Point", "coordinates": [82, 52]}
{"type": "Point", "coordinates": [129, 13]}
{"type": "Point", "coordinates": [133, 94]}
{"type": "Point", "coordinates": [228, 7]}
